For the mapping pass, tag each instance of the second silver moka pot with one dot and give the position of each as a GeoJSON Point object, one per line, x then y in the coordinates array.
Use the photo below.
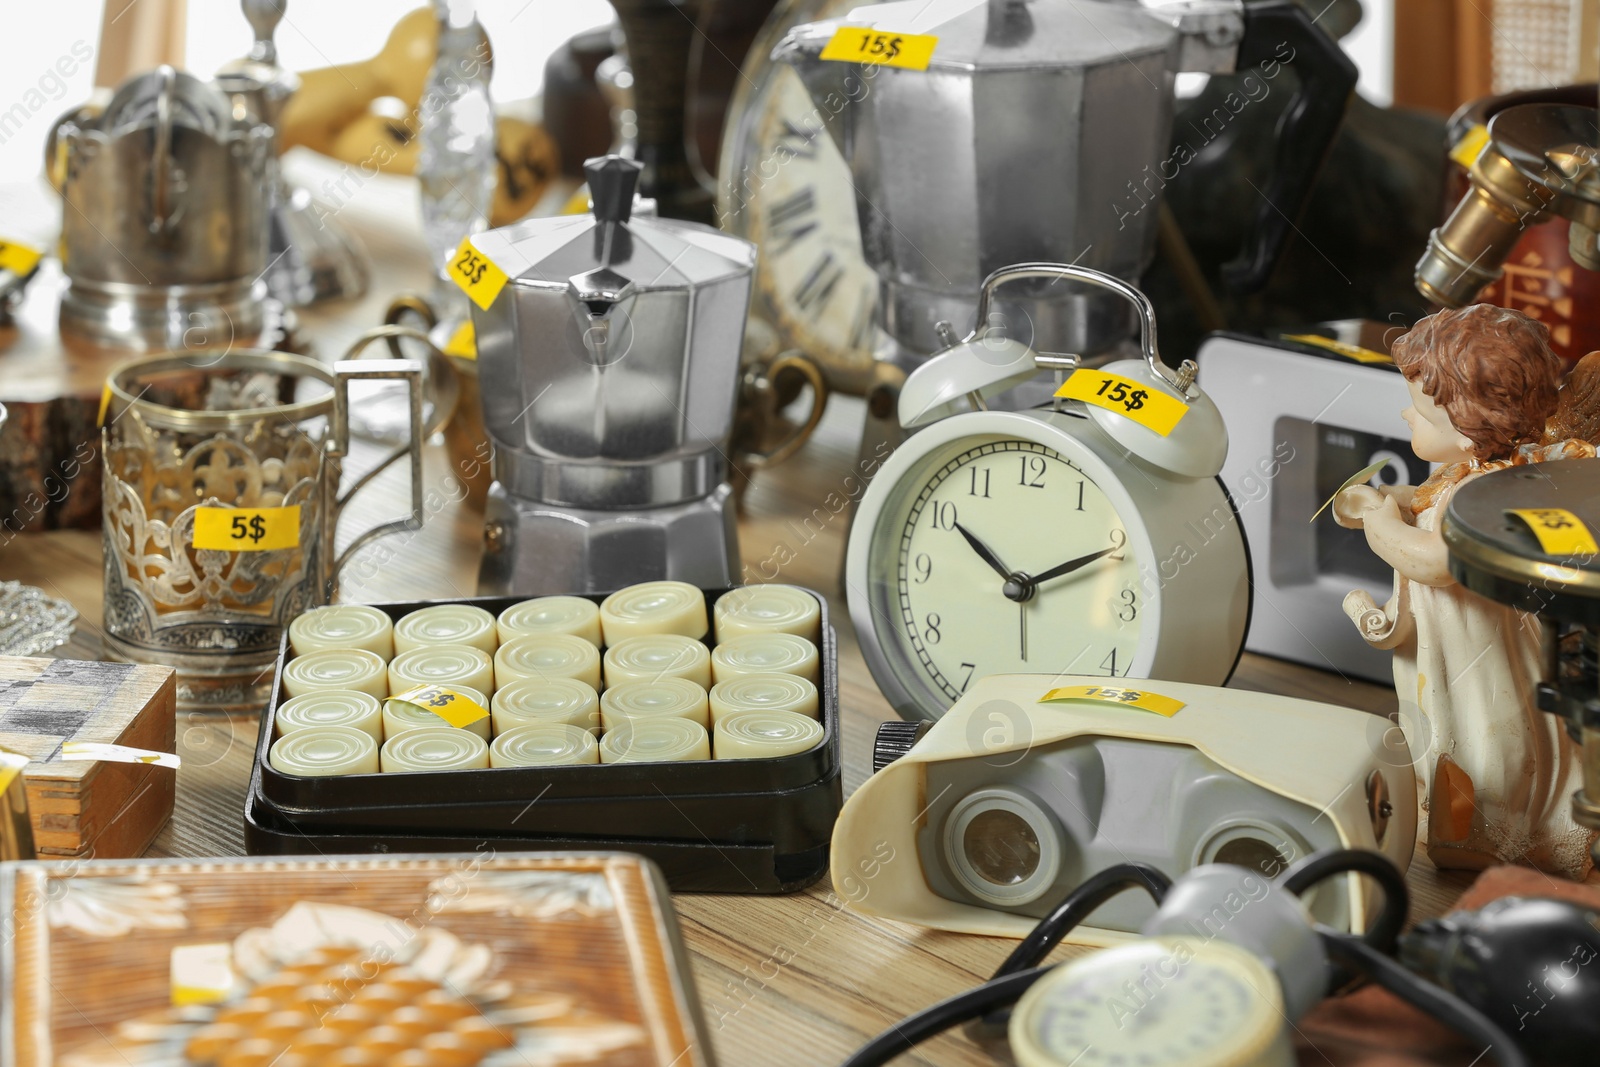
{"type": "Point", "coordinates": [609, 367]}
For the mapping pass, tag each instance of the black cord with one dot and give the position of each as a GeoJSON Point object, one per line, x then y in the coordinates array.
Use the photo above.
{"type": "Point", "coordinates": [1356, 954]}
{"type": "Point", "coordinates": [913, 1029]}
{"type": "Point", "coordinates": [1384, 933]}
{"type": "Point", "coordinates": [1078, 905]}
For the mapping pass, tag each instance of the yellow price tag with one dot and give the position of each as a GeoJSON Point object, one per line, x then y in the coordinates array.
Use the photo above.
{"type": "Point", "coordinates": [1560, 532]}
{"type": "Point", "coordinates": [1151, 409]}
{"type": "Point", "coordinates": [247, 529]}
{"type": "Point", "coordinates": [105, 404]}
{"type": "Point", "coordinates": [82, 751]}
{"type": "Point", "coordinates": [454, 708]}
{"type": "Point", "coordinates": [1113, 694]}
{"type": "Point", "coordinates": [11, 765]}
{"type": "Point", "coordinates": [1471, 147]}
{"type": "Point", "coordinates": [480, 279]}
{"type": "Point", "coordinates": [18, 258]}
{"type": "Point", "coordinates": [202, 974]}
{"type": "Point", "coordinates": [863, 44]}
{"type": "Point", "coordinates": [1355, 352]}
{"type": "Point", "coordinates": [463, 343]}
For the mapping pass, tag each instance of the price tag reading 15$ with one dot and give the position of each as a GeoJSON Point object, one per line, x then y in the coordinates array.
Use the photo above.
{"type": "Point", "coordinates": [863, 44]}
{"type": "Point", "coordinates": [247, 529]}
{"type": "Point", "coordinates": [1142, 699]}
{"type": "Point", "coordinates": [477, 276]}
{"type": "Point", "coordinates": [1153, 410]}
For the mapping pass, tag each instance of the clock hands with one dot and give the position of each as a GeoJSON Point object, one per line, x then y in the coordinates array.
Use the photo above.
{"type": "Point", "coordinates": [984, 552]}
{"type": "Point", "coordinates": [1072, 565]}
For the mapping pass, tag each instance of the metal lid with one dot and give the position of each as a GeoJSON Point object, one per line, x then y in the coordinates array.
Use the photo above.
{"type": "Point", "coordinates": [1497, 556]}
{"type": "Point", "coordinates": [609, 254]}
{"type": "Point", "coordinates": [993, 35]}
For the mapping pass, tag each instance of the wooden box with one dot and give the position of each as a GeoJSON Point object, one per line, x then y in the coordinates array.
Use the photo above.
{"type": "Point", "coordinates": [545, 959]}
{"type": "Point", "coordinates": [83, 809]}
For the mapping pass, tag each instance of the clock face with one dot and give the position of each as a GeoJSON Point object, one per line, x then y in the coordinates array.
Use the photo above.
{"type": "Point", "coordinates": [784, 185]}
{"type": "Point", "coordinates": [1002, 556]}
{"type": "Point", "coordinates": [1203, 1009]}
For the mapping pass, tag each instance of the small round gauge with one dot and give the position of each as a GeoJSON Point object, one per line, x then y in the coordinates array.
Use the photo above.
{"type": "Point", "coordinates": [1162, 1002]}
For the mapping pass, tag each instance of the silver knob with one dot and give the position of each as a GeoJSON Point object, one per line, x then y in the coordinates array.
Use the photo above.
{"type": "Point", "coordinates": [264, 16]}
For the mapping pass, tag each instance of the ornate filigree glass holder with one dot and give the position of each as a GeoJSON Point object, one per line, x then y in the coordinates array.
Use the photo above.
{"type": "Point", "coordinates": [244, 430]}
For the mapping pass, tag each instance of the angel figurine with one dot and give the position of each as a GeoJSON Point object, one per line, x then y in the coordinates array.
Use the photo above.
{"type": "Point", "coordinates": [1495, 774]}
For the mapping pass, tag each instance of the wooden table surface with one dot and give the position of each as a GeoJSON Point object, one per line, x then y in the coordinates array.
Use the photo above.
{"type": "Point", "coordinates": [845, 976]}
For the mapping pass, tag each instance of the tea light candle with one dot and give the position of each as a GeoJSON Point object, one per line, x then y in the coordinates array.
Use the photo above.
{"type": "Point", "coordinates": [342, 626]}
{"type": "Point", "coordinates": [446, 624]}
{"type": "Point", "coordinates": [530, 701]}
{"type": "Point", "coordinates": [661, 740]}
{"type": "Point", "coordinates": [763, 692]}
{"type": "Point", "coordinates": [651, 657]}
{"type": "Point", "coordinates": [547, 656]}
{"type": "Point", "coordinates": [551, 615]}
{"type": "Point", "coordinates": [399, 716]}
{"type": "Point", "coordinates": [336, 668]}
{"type": "Point", "coordinates": [442, 749]}
{"type": "Point", "coordinates": [653, 608]}
{"type": "Point", "coordinates": [451, 666]}
{"type": "Point", "coordinates": [766, 654]}
{"type": "Point", "coordinates": [318, 751]}
{"type": "Point", "coordinates": [545, 744]}
{"type": "Point", "coordinates": [768, 609]}
{"type": "Point", "coordinates": [765, 735]}
{"type": "Point", "coordinates": [331, 707]}
{"type": "Point", "coordinates": [669, 698]}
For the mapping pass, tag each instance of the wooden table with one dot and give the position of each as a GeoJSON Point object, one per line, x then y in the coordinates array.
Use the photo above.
{"type": "Point", "coordinates": [844, 977]}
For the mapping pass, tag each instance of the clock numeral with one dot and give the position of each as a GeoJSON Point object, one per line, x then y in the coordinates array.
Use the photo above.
{"type": "Point", "coordinates": [792, 218]}
{"type": "Point", "coordinates": [924, 566]}
{"type": "Point", "coordinates": [974, 481]}
{"type": "Point", "coordinates": [1033, 468]}
{"type": "Point", "coordinates": [969, 668]}
{"type": "Point", "coordinates": [818, 285]}
{"type": "Point", "coordinates": [944, 515]}
{"type": "Point", "coordinates": [1119, 541]}
{"type": "Point", "coordinates": [931, 632]}
{"type": "Point", "coordinates": [1129, 609]}
{"type": "Point", "coordinates": [1109, 664]}
{"type": "Point", "coordinates": [1080, 496]}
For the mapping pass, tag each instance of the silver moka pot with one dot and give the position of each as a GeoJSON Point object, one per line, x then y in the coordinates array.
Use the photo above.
{"type": "Point", "coordinates": [164, 233]}
{"type": "Point", "coordinates": [1042, 130]}
{"type": "Point", "coordinates": [609, 367]}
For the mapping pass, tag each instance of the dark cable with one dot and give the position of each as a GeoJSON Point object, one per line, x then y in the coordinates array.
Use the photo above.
{"type": "Point", "coordinates": [1356, 954]}
{"type": "Point", "coordinates": [1384, 932]}
{"type": "Point", "coordinates": [913, 1029]}
{"type": "Point", "coordinates": [1078, 906]}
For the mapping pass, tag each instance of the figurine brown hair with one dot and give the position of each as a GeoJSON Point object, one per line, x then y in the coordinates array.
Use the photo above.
{"type": "Point", "coordinates": [1490, 369]}
{"type": "Point", "coordinates": [1577, 414]}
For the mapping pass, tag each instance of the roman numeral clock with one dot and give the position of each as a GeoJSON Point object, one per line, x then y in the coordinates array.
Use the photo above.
{"type": "Point", "coordinates": [783, 185]}
{"type": "Point", "coordinates": [1089, 536]}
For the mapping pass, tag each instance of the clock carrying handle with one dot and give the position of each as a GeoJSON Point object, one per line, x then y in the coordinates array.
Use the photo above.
{"type": "Point", "coordinates": [1182, 380]}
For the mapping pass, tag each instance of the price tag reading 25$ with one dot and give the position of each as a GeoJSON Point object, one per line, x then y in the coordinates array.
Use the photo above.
{"type": "Point", "coordinates": [477, 276]}
{"type": "Point", "coordinates": [1153, 410]}
{"type": "Point", "coordinates": [247, 529]}
{"type": "Point", "coordinates": [863, 44]}
{"type": "Point", "coordinates": [1560, 532]}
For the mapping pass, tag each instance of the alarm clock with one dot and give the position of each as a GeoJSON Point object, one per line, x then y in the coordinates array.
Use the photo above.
{"type": "Point", "coordinates": [1090, 536]}
{"type": "Point", "coordinates": [1304, 415]}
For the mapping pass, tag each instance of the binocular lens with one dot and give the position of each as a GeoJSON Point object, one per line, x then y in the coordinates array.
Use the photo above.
{"type": "Point", "coordinates": [1001, 847]}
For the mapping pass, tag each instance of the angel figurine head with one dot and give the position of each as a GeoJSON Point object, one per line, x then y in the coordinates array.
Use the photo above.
{"type": "Point", "coordinates": [1483, 381]}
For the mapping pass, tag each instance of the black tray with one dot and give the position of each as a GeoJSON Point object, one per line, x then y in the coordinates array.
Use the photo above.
{"type": "Point", "coordinates": [712, 825]}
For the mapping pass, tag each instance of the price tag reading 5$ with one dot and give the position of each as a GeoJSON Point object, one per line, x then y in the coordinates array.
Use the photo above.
{"type": "Point", "coordinates": [247, 529]}
{"type": "Point", "coordinates": [1560, 532]}
{"type": "Point", "coordinates": [1111, 694]}
{"type": "Point", "coordinates": [480, 279]}
{"type": "Point", "coordinates": [1151, 409]}
{"type": "Point", "coordinates": [863, 44]}
{"type": "Point", "coordinates": [454, 708]}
